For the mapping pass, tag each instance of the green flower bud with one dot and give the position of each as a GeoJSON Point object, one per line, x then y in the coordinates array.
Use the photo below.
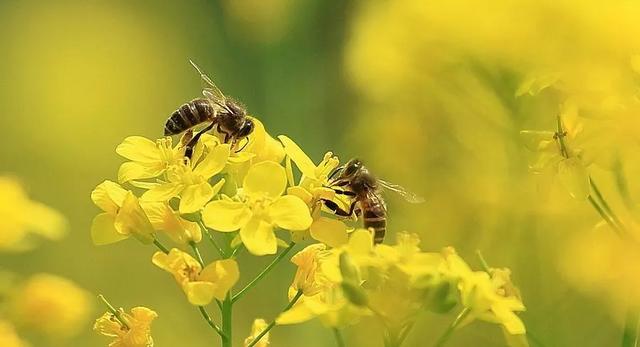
{"type": "Point", "coordinates": [355, 294]}
{"type": "Point", "coordinates": [441, 297]}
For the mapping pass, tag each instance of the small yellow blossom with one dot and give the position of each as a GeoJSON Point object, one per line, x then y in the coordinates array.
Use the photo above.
{"type": "Point", "coordinates": [123, 216]}
{"type": "Point", "coordinates": [261, 208]}
{"type": "Point", "coordinates": [148, 159]}
{"type": "Point", "coordinates": [165, 219]}
{"type": "Point", "coordinates": [9, 337]}
{"type": "Point", "coordinates": [134, 331]}
{"type": "Point", "coordinates": [307, 261]}
{"type": "Point", "coordinates": [21, 216]}
{"type": "Point", "coordinates": [258, 327]}
{"type": "Point", "coordinates": [189, 180]}
{"type": "Point", "coordinates": [52, 305]}
{"type": "Point", "coordinates": [200, 285]}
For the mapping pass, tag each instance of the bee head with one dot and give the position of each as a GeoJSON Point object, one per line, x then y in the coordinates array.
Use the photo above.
{"type": "Point", "coordinates": [246, 128]}
{"type": "Point", "coordinates": [351, 168]}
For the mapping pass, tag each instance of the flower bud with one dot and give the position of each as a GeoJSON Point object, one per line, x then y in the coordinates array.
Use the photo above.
{"type": "Point", "coordinates": [441, 297]}
{"type": "Point", "coordinates": [348, 269]}
{"type": "Point", "coordinates": [355, 294]}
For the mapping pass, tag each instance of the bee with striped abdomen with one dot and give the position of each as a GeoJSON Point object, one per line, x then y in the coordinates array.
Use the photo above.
{"type": "Point", "coordinates": [227, 115]}
{"type": "Point", "coordinates": [356, 181]}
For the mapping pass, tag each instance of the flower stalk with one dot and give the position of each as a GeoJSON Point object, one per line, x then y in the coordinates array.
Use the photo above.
{"type": "Point", "coordinates": [273, 323]}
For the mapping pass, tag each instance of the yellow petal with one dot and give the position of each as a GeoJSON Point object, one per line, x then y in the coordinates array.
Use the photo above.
{"type": "Point", "coordinates": [290, 212]}
{"type": "Point", "coordinates": [108, 196]}
{"type": "Point", "coordinates": [266, 177]}
{"type": "Point", "coordinates": [132, 220]}
{"type": "Point", "coordinates": [331, 232]}
{"type": "Point", "coordinates": [134, 171]}
{"type": "Point", "coordinates": [299, 313]}
{"type": "Point", "coordinates": [304, 163]}
{"type": "Point", "coordinates": [138, 148]}
{"type": "Point", "coordinates": [163, 192]}
{"type": "Point", "coordinates": [199, 293]}
{"type": "Point", "coordinates": [574, 176]}
{"type": "Point", "coordinates": [103, 232]}
{"type": "Point", "coordinates": [224, 274]}
{"type": "Point", "coordinates": [258, 237]}
{"type": "Point", "coordinates": [225, 215]}
{"type": "Point", "coordinates": [301, 193]}
{"type": "Point", "coordinates": [214, 162]}
{"type": "Point", "coordinates": [194, 197]}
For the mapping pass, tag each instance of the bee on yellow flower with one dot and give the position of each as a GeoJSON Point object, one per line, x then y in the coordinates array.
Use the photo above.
{"type": "Point", "coordinates": [201, 285]}
{"type": "Point", "coordinates": [128, 329]}
{"type": "Point", "coordinates": [258, 209]}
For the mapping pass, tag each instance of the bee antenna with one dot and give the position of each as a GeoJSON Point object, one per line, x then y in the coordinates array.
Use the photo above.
{"type": "Point", "coordinates": [195, 66]}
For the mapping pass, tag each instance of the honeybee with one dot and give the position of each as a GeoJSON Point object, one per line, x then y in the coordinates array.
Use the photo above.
{"type": "Point", "coordinates": [227, 115]}
{"type": "Point", "coordinates": [356, 181]}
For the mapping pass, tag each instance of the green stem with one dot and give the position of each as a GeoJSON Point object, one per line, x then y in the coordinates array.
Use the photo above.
{"type": "Point", "coordinates": [273, 323]}
{"type": "Point", "coordinates": [630, 334]}
{"type": "Point", "coordinates": [264, 272]}
{"type": "Point", "coordinates": [604, 215]}
{"type": "Point", "coordinates": [227, 317]}
{"type": "Point", "coordinates": [116, 313]}
{"type": "Point", "coordinates": [338, 336]}
{"type": "Point", "coordinates": [210, 321]}
{"type": "Point", "coordinates": [560, 136]}
{"type": "Point", "coordinates": [220, 251]}
{"type": "Point", "coordinates": [160, 246]}
{"type": "Point", "coordinates": [404, 333]}
{"type": "Point", "coordinates": [604, 204]}
{"type": "Point", "coordinates": [196, 251]}
{"type": "Point", "coordinates": [447, 333]}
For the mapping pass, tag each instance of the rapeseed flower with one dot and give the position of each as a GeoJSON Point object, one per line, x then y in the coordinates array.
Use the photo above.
{"type": "Point", "coordinates": [258, 327]}
{"type": "Point", "coordinates": [201, 285]}
{"type": "Point", "coordinates": [258, 209]}
{"type": "Point", "coordinates": [129, 329]}
{"type": "Point", "coordinates": [165, 219]}
{"type": "Point", "coordinates": [148, 159]}
{"type": "Point", "coordinates": [123, 216]}
{"type": "Point", "coordinates": [21, 217]}
{"type": "Point", "coordinates": [50, 304]}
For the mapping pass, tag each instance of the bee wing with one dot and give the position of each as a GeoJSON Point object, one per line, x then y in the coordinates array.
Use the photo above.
{"type": "Point", "coordinates": [407, 195]}
{"type": "Point", "coordinates": [209, 89]}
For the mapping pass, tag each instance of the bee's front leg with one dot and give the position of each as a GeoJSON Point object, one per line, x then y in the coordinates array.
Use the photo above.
{"type": "Point", "coordinates": [337, 210]}
{"type": "Point", "coordinates": [188, 152]}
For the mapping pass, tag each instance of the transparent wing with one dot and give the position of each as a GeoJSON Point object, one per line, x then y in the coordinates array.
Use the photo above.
{"type": "Point", "coordinates": [209, 89]}
{"type": "Point", "coordinates": [407, 195]}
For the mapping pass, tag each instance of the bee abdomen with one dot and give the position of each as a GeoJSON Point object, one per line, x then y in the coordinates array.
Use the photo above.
{"type": "Point", "coordinates": [187, 116]}
{"type": "Point", "coordinates": [377, 222]}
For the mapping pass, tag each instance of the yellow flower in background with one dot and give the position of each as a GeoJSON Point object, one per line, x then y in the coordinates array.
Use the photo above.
{"type": "Point", "coordinates": [261, 209]}
{"type": "Point", "coordinates": [163, 218]}
{"type": "Point", "coordinates": [257, 327]}
{"type": "Point", "coordinates": [9, 337]}
{"type": "Point", "coordinates": [190, 181]}
{"type": "Point", "coordinates": [134, 331]}
{"type": "Point", "coordinates": [50, 304]}
{"type": "Point", "coordinates": [148, 159]}
{"type": "Point", "coordinates": [559, 153]}
{"type": "Point", "coordinates": [123, 216]}
{"type": "Point", "coordinates": [200, 285]}
{"type": "Point", "coordinates": [21, 217]}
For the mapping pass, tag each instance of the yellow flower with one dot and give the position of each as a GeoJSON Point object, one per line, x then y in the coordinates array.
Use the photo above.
{"type": "Point", "coordinates": [559, 154]}
{"type": "Point", "coordinates": [148, 159]}
{"type": "Point", "coordinates": [200, 285]}
{"type": "Point", "coordinates": [189, 180]}
{"type": "Point", "coordinates": [312, 187]}
{"type": "Point", "coordinates": [135, 332]}
{"type": "Point", "coordinates": [123, 216]}
{"type": "Point", "coordinates": [307, 261]}
{"type": "Point", "coordinates": [257, 327]}
{"type": "Point", "coordinates": [20, 216]}
{"type": "Point", "coordinates": [261, 208]}
{"type": "Point", "coordinates": [163, 218]}
{"type": "Point", "coordinates": [9, 337]}
{"type": "Point", "coordinates": [52, 305]}
{"type": "Point", "coordinates": [489, 298]}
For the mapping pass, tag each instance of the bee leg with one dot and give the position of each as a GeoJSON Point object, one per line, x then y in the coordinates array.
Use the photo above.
{"type": "Point", "coordinates": [343, 192]}
{"type": "Point", "coordinates": [188, 152]}
{"type": "Point", "coordinates": [245, 145]}
{"type": "Point", "coordinates": [335, 171]}
{"type": "Point", "coordinates": [337, 210]}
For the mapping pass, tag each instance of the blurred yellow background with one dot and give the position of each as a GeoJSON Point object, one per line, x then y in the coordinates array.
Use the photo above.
{"type": "Point", "coordinates": [423, 92]}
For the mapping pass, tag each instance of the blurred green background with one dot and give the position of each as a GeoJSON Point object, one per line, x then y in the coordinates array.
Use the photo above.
{"type": "Point", "coordinates": [424, 95]}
